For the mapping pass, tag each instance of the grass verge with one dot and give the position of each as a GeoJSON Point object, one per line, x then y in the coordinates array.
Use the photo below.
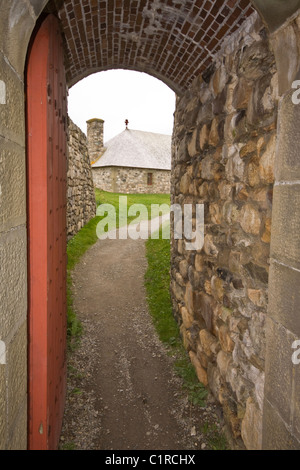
{"type": "Point", "coordinates": [216, 440]}
{"type": "Point", "coordinates": [157, 282]}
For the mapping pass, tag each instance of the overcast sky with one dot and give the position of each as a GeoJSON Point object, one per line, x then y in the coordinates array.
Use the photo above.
{"type": "Point", "coordinates": [117, 95]}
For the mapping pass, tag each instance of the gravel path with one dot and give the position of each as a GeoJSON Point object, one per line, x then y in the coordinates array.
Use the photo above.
{"type": "Point", "coordinates": [122, 390]}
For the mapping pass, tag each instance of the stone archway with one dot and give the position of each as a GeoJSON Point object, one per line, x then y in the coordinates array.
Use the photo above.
{"type": "Point", "coordinates": [172, 41]}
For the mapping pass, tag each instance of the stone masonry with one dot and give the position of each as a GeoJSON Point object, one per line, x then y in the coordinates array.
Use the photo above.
{"type": "Point", "coordinates": [95, 138]}
{"type": "Point", "coordinates": [131, 180]}
{"type": "Point", "coordinates": [81, 196]}
{"type": "Point", "coordinates": [223, 157]}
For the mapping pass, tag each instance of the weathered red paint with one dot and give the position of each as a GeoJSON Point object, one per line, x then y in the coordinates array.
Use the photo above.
{"type": "Point", "coordinates": [46, 175]}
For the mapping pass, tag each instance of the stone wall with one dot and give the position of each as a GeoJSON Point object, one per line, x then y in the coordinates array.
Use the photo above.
{"type": "Point", "coordinates": [223, 156]}
{"type": "Point", "coordinates": [131, 180]}
{"type": "Point", "coordinates": [281, 414]}
{"type": "Point", "coordinates": [81, 196]}
{"type": "Point", "coordinates": [95, 136]}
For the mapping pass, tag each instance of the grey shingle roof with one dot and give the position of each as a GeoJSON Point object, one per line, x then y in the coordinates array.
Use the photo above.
{"type": "Point", "coordinates": [137, 149]}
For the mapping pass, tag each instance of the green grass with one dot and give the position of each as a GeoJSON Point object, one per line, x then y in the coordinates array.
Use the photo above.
{"type": "Point", "coordinates": [146, 200]}
{"type": "Point", "coordinates": [157, 282]}
{"type": "Point", "coordinates": [103, 197]}
{"type": "Point", "coordinates": [68, 446]}
{"type": "Point", "coordinates": [216, 439]}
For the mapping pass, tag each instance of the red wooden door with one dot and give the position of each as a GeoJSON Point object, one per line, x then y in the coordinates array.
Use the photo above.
{"type": "Point", "coordinates": [46, 195]}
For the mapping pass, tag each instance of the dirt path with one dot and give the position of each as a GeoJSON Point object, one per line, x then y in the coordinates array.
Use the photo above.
{"type": "Point", "coordinates": [122, 391]}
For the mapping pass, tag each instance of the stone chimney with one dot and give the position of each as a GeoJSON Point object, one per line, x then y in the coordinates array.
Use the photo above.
{"type": "Point", "coordinates": [95, 138]}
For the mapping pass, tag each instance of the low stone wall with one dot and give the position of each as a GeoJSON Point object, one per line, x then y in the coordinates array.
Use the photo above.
{"type": "Point", "coordinates": [81, 196]}
{"type": "Point", "coordinates": [223, 156]}
{"type": "Point", "coordinates": [132, 180]}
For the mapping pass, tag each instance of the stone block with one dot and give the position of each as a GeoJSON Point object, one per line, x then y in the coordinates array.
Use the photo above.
{"type": "Point", "coordinates": [208, 168]}
{"type": "Point", "coordinates": [279, 369]}
{"type": "Point", "coordinates": [223, 362]}
{"type": "Point", "coordinates": [200, 371]}
{"type": "Point", "coordinates": [285, 244]}
{"type": "Point", "coordinates": [183, 268]}
{"type": "Point", "coordinates": [189, 298]}
{"type": "Point", "coordinates": [12, 122]}
{"type": "Point", "coordinates": [251, 429]}
{"type": "Point", "coordinates": [266, 164]}
{"type": "Point", "coordinates": [209, 247]}
{"type": "Point", "coordinates": [13, 280]}
{"type": "Point", "coordinates": [242, 94]}
{"type": "Point", "coordinates": [186, 337]}
{"type": "Point", "coordinates": [256, 296]}
{"type": "Point", "coordinates": [193, 144]}
{"type": "Point", "coordinates": [178, 291]}
{"type": "Point", "coordinates": [205, 113]}
{"type": "Point", "coordinates": [235, 166]}
{"type": "Point", "coordinates": [16, 375]}
{"type": "Point", "coordinates": [187, 317]}
{"type": "Point", "coordinates": [208, 342]}
{"type": "Point", "coordinates": [252, 172]}
{"type": "Point", "coordinates": [249, 148]}
{"type": "Point", "coordinates": [199, 262]}
{"type": "Point", "coordinates": [229, 108]}
{"type": "Point", "coordinates": [296, 409]}
{"type": "Point", "coordinates": [204, 306]}
{"type": "Point", "coordinates": [250, 220]}
{"type": "Point", "coordinates": [230, 410]}
{"type": "Point", "coordinates": [287, 162]}
{"type": "Point", "coordinates": [284, 296]}
{"type": "Point", "coordinates": [239, 385]}
{"type": "Point", "coordinates": [185, 183]}
{"type": "Point", "coordinates": [219, 80]}
{"type": "Point", "coordinates": [257, 273]}
{"type": "Point", "coordinates": [225, 340]}
{"type": "Point", "coordinates": [3, 405]}
{"type": "Point", "coordinates": [195, 278]}
{"type": "Point", "coordinates": [266, 236]}
{"type": "Point", "coordinates": [260, 253]}
{"type": "Point", "coordinates": [17, 25]}
{"type": "Point", "coordinates": [203, 137]}
{"type": "Point", "coordinates": [214, 380]}
{"type": "Point", "coordinates": [12, 185]}
{"type": "Point", "coordinates": [179, 279]}
{"type": "Point", "coordinates": [219, 102]}
{"type": "Point", "coordinates": [256, 61]}
{"type": "Point", "coordinates": [287, 63]}
{"type": "Point", "coordinates": [276, 435]}
{"type": "Point", "coordinates": [191, 113]}
{"type": "Point", "coordinates": [261, 108]}
{"type": "Point", "coordinates": [224, 189]}
{"type": "Point", "coordinates": [18, 434]}
{"type": "Point", "coordinates": [217, 289]}
{"type": "Point", "coordinates": [214, 137]}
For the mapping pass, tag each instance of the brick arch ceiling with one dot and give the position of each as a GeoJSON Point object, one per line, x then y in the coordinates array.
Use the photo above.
{"type": "Point", "coordinates": [173, 40]}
